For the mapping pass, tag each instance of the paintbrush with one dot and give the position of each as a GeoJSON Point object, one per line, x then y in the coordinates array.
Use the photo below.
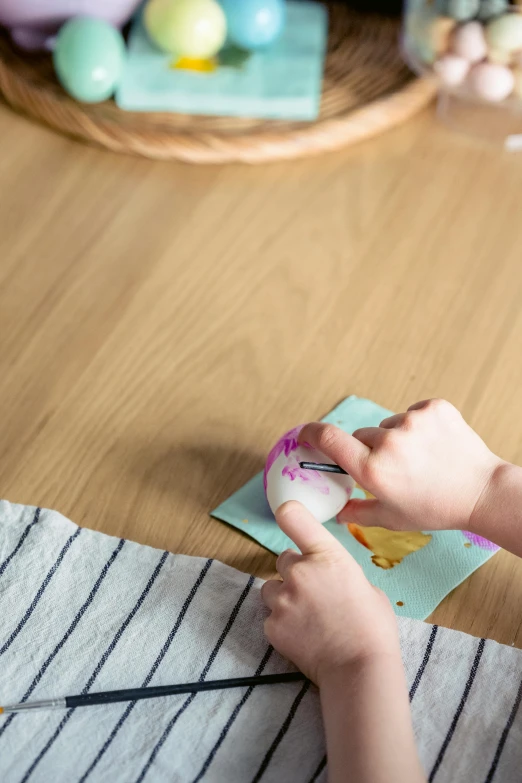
{"type": "Point", "coordinates": [323, 467]}
{"type": "Point", "coordinates": [136, 694]}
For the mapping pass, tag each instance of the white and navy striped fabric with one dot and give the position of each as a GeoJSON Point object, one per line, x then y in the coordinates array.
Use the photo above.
{"type": "Point", "coordinates": [82, 612]}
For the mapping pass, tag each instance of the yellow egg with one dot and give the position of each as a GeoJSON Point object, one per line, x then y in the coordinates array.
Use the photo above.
{"type": "Point", "coordinates": [517, 89]}
{"type": "Point", "coordinates": [505, 33]}
{"type": "Point", "coordinates": [191, 28]}
{"type": "Point", "coordinates": [499, 57]}
{"type": "Point", "coordinates": [441, 31]}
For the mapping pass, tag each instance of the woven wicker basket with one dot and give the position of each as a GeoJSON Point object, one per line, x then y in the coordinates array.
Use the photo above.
{"type": "Point", "coordinates": [367, 89]}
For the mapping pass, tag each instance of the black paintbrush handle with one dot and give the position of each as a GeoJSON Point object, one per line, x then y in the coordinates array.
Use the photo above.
{"type": "Point", "coordinates": [135, 694]}
{"type": "Point", "coordinates": [323, 467]}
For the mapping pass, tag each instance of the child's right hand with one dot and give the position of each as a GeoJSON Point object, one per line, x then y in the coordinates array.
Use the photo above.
{"type": "Point", "coordinates": [426, 468]}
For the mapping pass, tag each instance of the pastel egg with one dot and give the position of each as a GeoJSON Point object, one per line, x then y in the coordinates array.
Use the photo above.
{"type": "Point", "coordinates": [491, 82]}
{"type": "Point", "coordinates": [323, 494]}
{"type": "Point", "coordinates": [451, 70]}
{"type": "Point", "coordinates": [461, 10]}
{"type": "Point", "coordinates": [254, 24]}
{"type": "Point", "coordinates": [505, 33]}
{"type": "Point", "coordinates": [192, 28]}
{"type": "Point", "coordinates": [440, 33]}
{"type": "Point", "coordinates": [469, 42]}
{"type": "Point", "coordinates": [88, 59]}
{"type": "Point", "coordinates": [491, 8]}
{"type": "Point", "coordinates": [517, 75]}
{"type": "Point", "coordinates": [427, 36]}
{"type": "Point", "coordinates": [499, 57]}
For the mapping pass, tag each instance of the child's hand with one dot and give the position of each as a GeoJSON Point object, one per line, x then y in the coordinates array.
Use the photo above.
{"type": "Point", "coordinates": [427, 468]}
{"type": "Point", "coordinates": [325, 615]}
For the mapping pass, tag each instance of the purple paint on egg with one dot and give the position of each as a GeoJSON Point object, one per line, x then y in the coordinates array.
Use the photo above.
{"type": "Point", "coordinates": [308, 476]}
{"type": "Point", "coordinates": [483, 543]}
{"type": "Point", "coordinates": [286, 444]}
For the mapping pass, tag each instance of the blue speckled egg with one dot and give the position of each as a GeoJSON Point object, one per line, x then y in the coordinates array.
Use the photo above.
{"type": "Point", "coordinates": [88, 59]}
{"type": "Point", "coordinates": [254, 24]}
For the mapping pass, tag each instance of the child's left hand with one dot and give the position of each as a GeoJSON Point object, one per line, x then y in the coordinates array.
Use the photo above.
{"type": "Point", "coordinates": [341, 632]}
{"type": "Point", "coordinates": [325, 615]}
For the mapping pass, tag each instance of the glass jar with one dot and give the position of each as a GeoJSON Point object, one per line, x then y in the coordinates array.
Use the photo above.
{"type": "Point", "coordinates": [473, 48]}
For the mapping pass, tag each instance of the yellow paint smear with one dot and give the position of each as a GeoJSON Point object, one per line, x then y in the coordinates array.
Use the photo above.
{"type": "Point", "coordinates": [190, 64]}
{"type": "Point", "coordinates": [1, 710]}
{"type": "Point", "coordinates": [389, 547]}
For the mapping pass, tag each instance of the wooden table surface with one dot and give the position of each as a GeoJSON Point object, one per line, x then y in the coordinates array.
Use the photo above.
{"type": "Point", "coordinates": [161, 325]}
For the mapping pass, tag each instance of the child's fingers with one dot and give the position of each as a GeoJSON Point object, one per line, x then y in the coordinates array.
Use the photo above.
{"type": "Point", "coordinates": [303, 529]}
{"type": "Point", "coordinates": [369, 513]}
{"type": "Point", "coordinates": [392, 421]}
{"type": "Point", "coordinates": [417, 406]}
{"type": "Point", "coordinates": [286, 560]}
{"type": "Point", "coordinates": [345, 450]}
{"type": "Point", "coordinates": [372, 437]}
{"type": "Point", "coordinates": [270, 592]}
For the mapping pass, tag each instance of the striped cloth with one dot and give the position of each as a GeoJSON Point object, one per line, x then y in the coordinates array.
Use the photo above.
{"type": "Point", "coordinates": [82, 612]}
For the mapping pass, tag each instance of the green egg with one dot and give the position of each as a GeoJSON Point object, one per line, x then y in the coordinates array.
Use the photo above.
{"type": "Point", "coordinates": [88, 59]}
{"type": "Point", "coordinates": [461, 10]}
{"type": "Point", "coordinates": [491, 8]}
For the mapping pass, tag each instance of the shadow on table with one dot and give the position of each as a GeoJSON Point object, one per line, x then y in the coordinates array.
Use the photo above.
{"type": "Point", "coordinates": [210, 473]}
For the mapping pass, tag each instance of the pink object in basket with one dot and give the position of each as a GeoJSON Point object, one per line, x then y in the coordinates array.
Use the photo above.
{"type": "Point", "coordinates": [33, 23]}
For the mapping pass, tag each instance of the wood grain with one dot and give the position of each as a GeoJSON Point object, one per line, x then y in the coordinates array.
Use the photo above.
{"type": "Point", "coordinates": [162, 324]}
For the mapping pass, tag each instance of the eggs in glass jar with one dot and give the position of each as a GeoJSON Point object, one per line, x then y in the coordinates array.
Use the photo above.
{"type": "Point", "coordinates": [472, 46]}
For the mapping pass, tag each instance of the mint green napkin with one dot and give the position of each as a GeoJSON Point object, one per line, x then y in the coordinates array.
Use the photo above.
{"type": "Point", "coordinates": [419, 582]}
{"type": "Point", "coordinates": [283, 81]}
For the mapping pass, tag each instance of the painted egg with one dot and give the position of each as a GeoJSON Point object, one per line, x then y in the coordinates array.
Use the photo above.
{"type": "Point", "coordinates": [517, 75]}
{"type": "Point", "coordinates": [427, 36]}
{"type": "Point", "coordinates": [323, 494]}
{"type": "Point", "coordinates": [491, 82]}
{"type": "Point", "coordinates": [191, 28]}
{"type": "Point", "coordinates": [505, 33]}
{"type": "Point", "coordinates": [440, 33]}
{"type": "Point", "coordinates": [88, 59]}
{"type": "Point", "coordinates": [500, 58]}
{"type": "Point", "coordinates": [451, 70]}
{"type": "Point", "coordinates": [253, 24]}
{"type": "Point", "coordinates": [469, 42]}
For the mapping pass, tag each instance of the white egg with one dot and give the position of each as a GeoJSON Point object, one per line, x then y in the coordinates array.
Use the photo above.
{"type": "Point", "coordinates": [323, 494]}
{"type": "Point", "coordinates": [451, 70]}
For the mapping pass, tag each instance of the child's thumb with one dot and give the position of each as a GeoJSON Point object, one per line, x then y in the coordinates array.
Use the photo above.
{"type": "Point", "coordinates": [303, 528]}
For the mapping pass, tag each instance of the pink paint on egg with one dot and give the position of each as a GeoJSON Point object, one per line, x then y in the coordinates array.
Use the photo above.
{"type": "Point", "coordinates": [491, 82]}
{"type": "Point", "coordinates": [285, 445]}
{"type": "Point", "coordinates": [294, 471]}
{"type": "Point", "coordinates": [451, 70]}
{"type": "Point", "coordinates": [469, 42]}
{"type": "Point", "coordinates": [324, 494]}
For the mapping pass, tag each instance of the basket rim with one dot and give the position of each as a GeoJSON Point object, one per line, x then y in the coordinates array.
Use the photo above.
{"type": "Point", "coordinates": [33, 91]}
